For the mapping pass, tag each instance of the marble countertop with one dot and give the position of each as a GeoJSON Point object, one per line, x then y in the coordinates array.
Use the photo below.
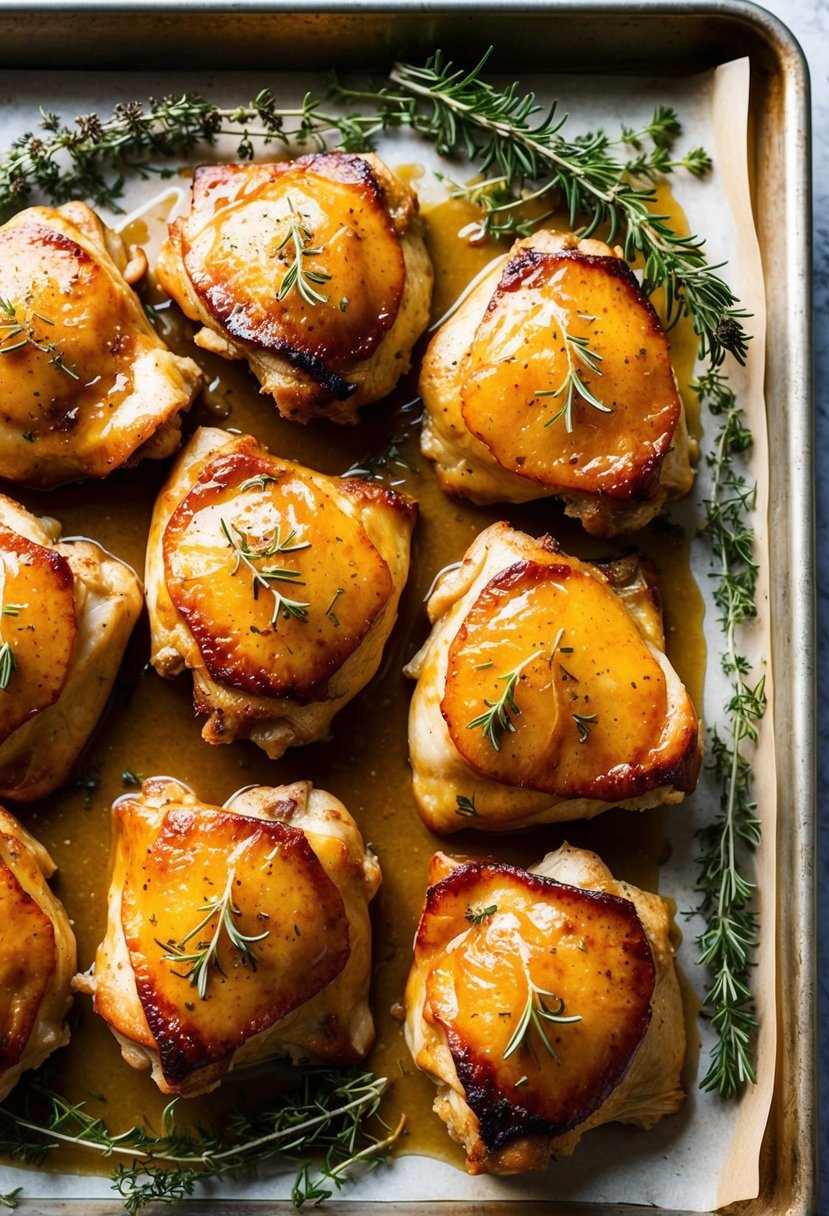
{"type": "Point", "coordinates": [809, 22]}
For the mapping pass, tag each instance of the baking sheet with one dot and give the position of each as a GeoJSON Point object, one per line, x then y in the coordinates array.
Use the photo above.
{"type": "Point", "coordinates": [709, 1153]}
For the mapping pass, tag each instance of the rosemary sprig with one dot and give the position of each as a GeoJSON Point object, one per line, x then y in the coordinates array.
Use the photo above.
{"type": "Point", "coordinates": [730, 936]}
{"type": "Point", "coordinates": [263, 577]}
{"type": "Point", "coordinates": [8, 665]}
{"type": "Point", "coordinates": [535, 1013]}
{"type": "Point", "coordinates": [322, 1119]}
{"type": "Point", "coordinates": [15, 334]}
{"type": "Point", "coordinates": [205, 955]}
{"type": "Point", "coordinates": [507, 130]}
{"type": "Point", "coordinates": [577, 350]}
{"type": "Point", "coordinates": [11, 1199]}
{"type": "Point", "coordinates": [298, 277]}
{"type": "Point", "coordinates": [496, 720]}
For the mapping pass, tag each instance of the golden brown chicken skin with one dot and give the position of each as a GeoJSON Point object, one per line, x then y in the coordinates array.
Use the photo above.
{"type": "Point", "coordinates": [313, 270]}
{"type": "Point", "coordinates": [543, 1003]}
{"type": "Point", "coordinates": [235, 933]}
{"type": "Point", "coordinates": [67, 609]}
{"type": "Point", "coordinates": [554, 378]}
{"type": "Point", "coordinates": [276, 585]}
{"type": "Point", "coordinates": [37, 956]}
{"type": "Point", "coordinates": [86, 385]}
{"type": "Point", "coordinates": [543, 694]}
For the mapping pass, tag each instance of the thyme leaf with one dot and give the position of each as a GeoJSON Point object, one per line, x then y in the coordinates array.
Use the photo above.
{"type": "Point", "coordinates": [476, 916]}
{"type": "Point", "coordinates": [8, 665]}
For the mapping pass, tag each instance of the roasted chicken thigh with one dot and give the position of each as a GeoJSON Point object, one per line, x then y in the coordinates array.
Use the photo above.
{"type": "Point", "coordinates": [543, 692]}
{"type": "Point", "coordinates": [277, 586]}
{"type": "Point", "coordinates": [67, 609]}
{"type": "Point", "coordinates": [37, 956]}
{"type": "Point", "coordinates": [543, 1003]}
{"type": "Point", "coordinates": [553, 377]}
{"type": "Point", "coordinates": [313, 270]}
{"type": "Point", "coordinates": [235, 933]}
{"type": "Point", "coordinates": [86, 384]}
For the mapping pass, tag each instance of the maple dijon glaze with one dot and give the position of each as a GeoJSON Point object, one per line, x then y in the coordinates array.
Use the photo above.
{"type": "Point", "coordinates": [150, 727]}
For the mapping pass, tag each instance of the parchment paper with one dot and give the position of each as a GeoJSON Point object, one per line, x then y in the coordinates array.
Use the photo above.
{"type": "Point", "coordinates": [708, 1154]}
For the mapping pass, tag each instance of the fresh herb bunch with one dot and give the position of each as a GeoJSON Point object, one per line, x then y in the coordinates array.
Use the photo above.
{"type": "Point", "coordinates": [323, 1119]}
{"type": "Point", "coordinates": [91, 157]}
{"type": "Point", "coordinates": [730, 936]}
{"type": "Point", "coordinates": [463, 116]}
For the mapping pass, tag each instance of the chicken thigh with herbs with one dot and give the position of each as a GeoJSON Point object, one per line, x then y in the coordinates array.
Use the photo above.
{"type": "Point", "coordinates": [87, 385]}
{"type": "Point", "coordinates": [553, 377]}
{"type": "Point", "coordinates": [543, 692]}
{"type": "Point", "coordinates": [37, 956]}
{"type": "Point", "coordinates": [313, 270]}
{"type": "Point", "coordinates": [235, 933]}
{"type": "Point", "coordinates": [543, 1003]}
{"type": "Point", "coordinates": [276, 585]}
{"type": "Point", "coordinates": [67, 609]}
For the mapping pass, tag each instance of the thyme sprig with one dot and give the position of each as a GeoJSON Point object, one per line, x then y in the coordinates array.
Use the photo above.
{"type": "Point", "coordinates": [15, 334]}
{"type": "Point", "coordinates": [322, 1119]}
{"type": "Point", "coordinates": [729, 939]}
{"type": "Point", "coordinates": [206, 954]}
{"type": "Point", "coordinates": [92, 156]}
{"type": "Point", "coordinates": [578, 351]}
{"type": "Point", "coordinates": [534, 1014]}
{"type": "Point", "coordinates": [299, 277]}
{"type": "Point", "coordinates": [495, 720]}
{"type": "Point", "coordinates": [263, 576]}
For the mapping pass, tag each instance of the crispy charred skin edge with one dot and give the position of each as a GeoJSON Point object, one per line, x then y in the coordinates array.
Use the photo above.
{"type": "Point", "coordinates": [350, 170]}
{"type": "Point", "coordinates": [225, 471]}
{"type": "Point", "coordinates": [622, 782]}
{"type": "Point", "coordinates": [643, 484]}
{"type": "Point", "coordinates": [501, 1121]}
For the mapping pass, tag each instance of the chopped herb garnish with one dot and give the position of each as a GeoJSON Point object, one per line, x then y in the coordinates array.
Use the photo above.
{"type": "Point", "coordinates": [584, 724]}
{"type": "Point", "coordinates": [263, 577]}
{"type": "Point", "coordinates": [477, 916]}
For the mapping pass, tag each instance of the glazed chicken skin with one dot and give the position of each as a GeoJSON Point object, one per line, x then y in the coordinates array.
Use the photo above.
{"type": "Point", "coordinates": [67, 609]}
{"type": "Point", "coordinates": [277, 586]}
{"type": "Point", "coordinates": [37, 956]}
{"type": "Point", "coordinates": [553, 377]}
{"type": "Point", "coordinates": [543, 692]}
{"type": "Point", "coordinates": [313, 270]}
{"type": "Point", "coordinates": [271, 893]}
{"type": "Point", "coordinates": [87, 385]}
{"type": "Point", "coordinates": [543, 1003]}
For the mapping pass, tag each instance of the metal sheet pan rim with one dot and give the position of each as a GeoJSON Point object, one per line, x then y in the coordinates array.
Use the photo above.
{"type": "Point", "coordinates": [793, 604]}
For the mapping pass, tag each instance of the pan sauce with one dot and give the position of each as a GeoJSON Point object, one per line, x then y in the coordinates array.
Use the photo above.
{"type": "Point", "coordinates": [150, 728]}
